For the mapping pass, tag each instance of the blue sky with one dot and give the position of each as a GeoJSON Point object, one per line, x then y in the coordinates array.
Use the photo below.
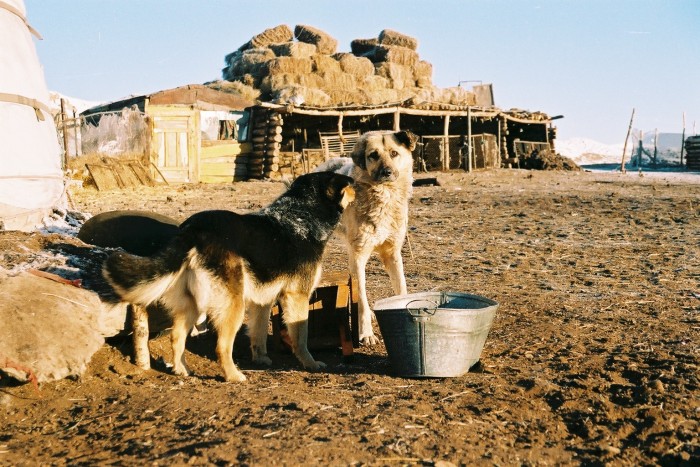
{"type": "Point", "coordinates": [589, 60]}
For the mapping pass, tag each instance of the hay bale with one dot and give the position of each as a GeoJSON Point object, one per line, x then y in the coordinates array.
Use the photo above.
{"type": "Point", "coordinates": [356, 66]}
{"type": "Point", "coordinates": [277, 81]}
{"type": "Point", "coordinates": [394, 54]}
{"type": "Point", "coordinates": [423, 69]}
{"type": "Point", "coordinates": [380, 96]}
{"type": "Point", "coordinates": [406, 94]}
{"type": "Point", "coordinates": [373, 83]}
{"type": "Point", "coordinates": [294, 49]}
{"type": "Point", "coordinates": [337, 80]}
{"type": "Point", "coordinates": [325, 64]}
{"type": "Point", "coordinates": [290, 65]}
{"type": "Point", "coordinates": [227, 74]}
{"type": "Point", "coordinates": [390, 37]}
{"type": "Point", "coordinates": [424, 82]}
{"type": "Point", "coordinates": [434, 96]}
{"type": "Point", "coordinates": [250, 80]}
{"type": "Point", "coordinates": [323, 42]}
{"type": "Point", "coordinates": [236, 87]}
{"type": "Point", "coordinates": [360, 47]}
{"type": "Point", "coordinates": [346, 97]}
{"type": "Point", "coordinates": [253, 61]}
{"type": "Point", "coordinates": [423, 74]}
{"type": "Point", "coordinates": [301, 95]}
{"type": "Point", "coordinates": [277, 35]}
{"type": "Point", "coordinates": [460, 96]}
{"type": "Point", "coordinates": [399, 76]}
{"type": "Point", "coordinates": [232, 57]}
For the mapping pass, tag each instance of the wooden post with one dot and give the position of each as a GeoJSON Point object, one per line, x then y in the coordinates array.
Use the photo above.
{"type": "Point", "coordinates": [64, 126]}
{"type": "Point", "coordinates": [397, 120]}
{"type": "Point", "coordinates": [624, 148]}
{"type": "Point", "coordinates": [446, 144]}
{"type": "Point", "coordinates": [640, 150]}
{"type": "Point", "coordinates": [469, 138]}
{"type": "Point", "coordinates": [656, 144]}
{"type": "Point", "coordinates": [683, 140]}
{"type": "Point", "coordinates": [75, 132]}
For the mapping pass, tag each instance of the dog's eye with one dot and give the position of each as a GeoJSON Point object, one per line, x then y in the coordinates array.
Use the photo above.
{"type": "Point", "coordinates": [374, 156]}
{"type": "Point", "coordinates": [394, 153]}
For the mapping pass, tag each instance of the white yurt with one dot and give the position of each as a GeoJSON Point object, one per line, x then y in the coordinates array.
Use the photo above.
{"type": "Point", "coordinates": [31, 175]}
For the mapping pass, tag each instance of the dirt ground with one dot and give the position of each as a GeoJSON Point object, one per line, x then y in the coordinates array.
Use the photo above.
{"type": "Point", "coordinates": [593, 358]}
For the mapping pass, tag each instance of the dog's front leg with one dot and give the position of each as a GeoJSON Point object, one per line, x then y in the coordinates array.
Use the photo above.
{"type": "Point", "coordinates": [295, 306]}
{"type": "Point", "coordinates": [139, 324]}
{"type": "Point", "coordinates": [259, 317]}
{"type": "Point", "coordinates": [358, 263]}
{"type": "Point", "coordinates": [390, 254]}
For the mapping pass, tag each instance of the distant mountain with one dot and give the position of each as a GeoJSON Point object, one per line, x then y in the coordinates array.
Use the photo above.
{"type": "Point", "coordinates": [586, 151]}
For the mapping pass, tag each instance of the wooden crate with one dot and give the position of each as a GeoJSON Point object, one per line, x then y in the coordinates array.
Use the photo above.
{"type": "Point", "coordinates": [332, 316]}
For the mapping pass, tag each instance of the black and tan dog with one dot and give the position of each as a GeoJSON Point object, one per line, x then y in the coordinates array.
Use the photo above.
{"type": "Point", "coordinates": [222, 263]}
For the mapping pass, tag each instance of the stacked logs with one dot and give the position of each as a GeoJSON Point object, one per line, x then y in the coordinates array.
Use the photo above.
{"type": "Point", "coordinates": [692, 150]}
{"type": "Point", "coordinates": [293, 164]}
{"type": "Point", "coordinates": [263, 162]}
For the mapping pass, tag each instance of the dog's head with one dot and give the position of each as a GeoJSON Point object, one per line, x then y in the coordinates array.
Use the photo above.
{"type": "Point", "coordinates": [329, 188]}
{"type": "Point", "coordinates": [385, 155]}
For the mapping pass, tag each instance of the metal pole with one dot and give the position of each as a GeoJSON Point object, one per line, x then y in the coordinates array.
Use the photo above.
{"type": "Point", "coordinates": [656, 143]}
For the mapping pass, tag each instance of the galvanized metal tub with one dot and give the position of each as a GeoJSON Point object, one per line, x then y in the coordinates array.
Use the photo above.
{"type": "Point", "coordinates": [434, 334]}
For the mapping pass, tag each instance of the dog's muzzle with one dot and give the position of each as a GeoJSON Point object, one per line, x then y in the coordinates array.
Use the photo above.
{"type": "Point", "coordinates": [385, 174]}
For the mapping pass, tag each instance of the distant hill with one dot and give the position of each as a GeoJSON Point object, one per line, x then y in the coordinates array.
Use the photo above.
{"type": "Point", "coordinates": [586, 151]}
{"type": "Point", "coordinates": [71, 103]}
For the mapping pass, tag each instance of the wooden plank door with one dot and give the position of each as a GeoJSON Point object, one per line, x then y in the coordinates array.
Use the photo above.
{"type": "Point", "coordinates": [174, 146]}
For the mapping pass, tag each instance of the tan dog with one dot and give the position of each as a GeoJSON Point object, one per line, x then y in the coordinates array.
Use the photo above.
{"type": "Point", "coordinates": [382, 167]}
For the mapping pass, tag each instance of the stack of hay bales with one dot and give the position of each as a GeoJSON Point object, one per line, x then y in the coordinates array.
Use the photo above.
{"type": "Point", "coordinates": [303, 68]}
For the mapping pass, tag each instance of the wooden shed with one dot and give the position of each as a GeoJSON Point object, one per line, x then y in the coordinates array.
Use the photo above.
{"type": "Point", "coordinates": [193, 133]}
{"type": "Point", "coordinates": [288, 140]}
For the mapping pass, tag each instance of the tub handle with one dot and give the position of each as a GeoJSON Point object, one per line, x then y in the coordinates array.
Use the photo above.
{"type": "Point", "coordinates": [421, 312]}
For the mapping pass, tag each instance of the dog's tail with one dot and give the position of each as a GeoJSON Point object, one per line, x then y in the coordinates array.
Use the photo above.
{"type": "Point", "coordinates": [143, 280]}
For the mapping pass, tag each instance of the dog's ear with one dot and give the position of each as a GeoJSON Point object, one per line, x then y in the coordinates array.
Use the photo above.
{"type": "Point", "coordinates": [358, 153]}
{"type": "Point", "coordinates": [340, 189]}
{"type": "Point", "coordinates": [406, 138]}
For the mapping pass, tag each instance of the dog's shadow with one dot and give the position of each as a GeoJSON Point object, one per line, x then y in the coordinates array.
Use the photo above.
{"type": "Point", "coordinates": [206, 367]}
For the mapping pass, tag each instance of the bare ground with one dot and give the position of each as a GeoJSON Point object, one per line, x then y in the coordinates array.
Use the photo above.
{"type": "Point", "coordinates": [593, 358]}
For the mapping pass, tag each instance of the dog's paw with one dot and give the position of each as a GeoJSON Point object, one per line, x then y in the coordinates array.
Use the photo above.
{"type": "Point", "coordinates": [235, 377]}
{"type": "Point", "coordinates": [315, 365]}
{"type": "Point", "coordinates": [180, 371]}
{"type": "Point", "coordinates": [262, 360]}
{"type": "Point", "coordinates": [369, 340]}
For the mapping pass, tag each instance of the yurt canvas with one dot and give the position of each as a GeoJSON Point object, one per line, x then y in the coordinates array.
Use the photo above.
{"type": "Point", "coordinates": [31, 177]}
